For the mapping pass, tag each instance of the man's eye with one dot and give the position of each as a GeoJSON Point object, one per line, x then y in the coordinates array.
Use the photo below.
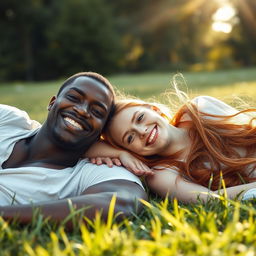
{"type": "Point", "coordinates": [129, 139]}
{"type": "Point", "coordinates": [97, 113]}
{"type": "Point", "coordinates": [72, 98]}
{"type": "Point", "coordinates": [140, 117]}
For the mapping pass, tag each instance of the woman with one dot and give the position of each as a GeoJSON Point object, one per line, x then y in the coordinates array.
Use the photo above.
{"type": "Point", "coordinates": [187, 155]}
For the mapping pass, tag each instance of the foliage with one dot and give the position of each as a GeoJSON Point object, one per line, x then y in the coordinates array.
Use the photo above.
{"type": "Point", "coordinates": [82, 37]}
{"type": "Point", "coordinates": [48, 39]}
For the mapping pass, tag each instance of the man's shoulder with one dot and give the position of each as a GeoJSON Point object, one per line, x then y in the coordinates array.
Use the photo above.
{"type": "Point", "coordinates": [91, 174]}
{"type": "Point", "coordinates": [7, 111]}
{"type": "Point", "coordinates": [17, 117]}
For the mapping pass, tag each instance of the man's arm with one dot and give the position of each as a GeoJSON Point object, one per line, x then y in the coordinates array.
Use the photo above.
{"type": "Point", "coordinates": [96, 198]}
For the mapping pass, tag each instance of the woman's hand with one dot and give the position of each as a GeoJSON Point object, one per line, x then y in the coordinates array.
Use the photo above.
{"type": "Point", "coordinates": [126, 159]}
{"type": "Point", "coordinates": [134, 165]}
{"type": "Point", "coordinates": [105, 160]}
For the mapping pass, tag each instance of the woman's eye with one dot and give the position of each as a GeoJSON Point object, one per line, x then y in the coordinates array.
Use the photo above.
{"type": "Point", "coordinates": [140, 117]}
{"type": "Point", "coordinates": [129, 139]}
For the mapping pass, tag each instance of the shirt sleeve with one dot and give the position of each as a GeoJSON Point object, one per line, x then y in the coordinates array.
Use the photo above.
{"type": "Point", "coordinates": [213, 106]}
{"type": "Point", "coordinates": [11, 115]}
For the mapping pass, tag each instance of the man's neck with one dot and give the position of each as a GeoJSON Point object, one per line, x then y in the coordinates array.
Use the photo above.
{"type": "Point", "coordinates": [40, 151]}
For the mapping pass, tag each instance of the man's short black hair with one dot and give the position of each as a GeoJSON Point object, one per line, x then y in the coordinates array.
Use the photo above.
{"type": "Point", "coordinates": [92, 75]}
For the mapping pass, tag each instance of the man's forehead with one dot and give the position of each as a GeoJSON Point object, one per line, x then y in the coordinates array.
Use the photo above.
{"type": "Point", "coordinates": [87, 83]}
{"type": "Point", "coordinates": [88, 86]}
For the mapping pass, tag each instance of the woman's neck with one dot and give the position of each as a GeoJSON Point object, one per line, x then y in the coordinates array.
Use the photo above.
{"type": "Point", "coordinates": [179, 141]}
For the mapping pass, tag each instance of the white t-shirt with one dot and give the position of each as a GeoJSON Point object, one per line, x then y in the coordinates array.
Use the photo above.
{"type": "Point", "coordinates": [24, 185]}
{"type": "Point", "coordinates": [213, 106]}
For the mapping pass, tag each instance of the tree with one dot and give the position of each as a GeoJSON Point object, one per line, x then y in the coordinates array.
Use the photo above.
{"type": "Point", "coordinates": [82, 37]}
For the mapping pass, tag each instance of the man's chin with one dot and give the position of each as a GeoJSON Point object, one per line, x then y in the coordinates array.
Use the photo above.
{"type": "Point", "coordinates": [71, 145]}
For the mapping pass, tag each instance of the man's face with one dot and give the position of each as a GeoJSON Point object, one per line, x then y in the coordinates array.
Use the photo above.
{"type": "Point", "coordinates": [79, 113]}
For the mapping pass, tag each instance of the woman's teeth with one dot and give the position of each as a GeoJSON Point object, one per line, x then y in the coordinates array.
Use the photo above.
{"type": "Point", "coordinates": [152, 135]}
{"type": "Point", "coordinates": [73, 123]}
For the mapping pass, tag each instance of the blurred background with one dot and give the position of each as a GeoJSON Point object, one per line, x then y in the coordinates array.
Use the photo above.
{"type": "Point", "coordinates": [47, 39]}
{"type": "Point", "coordinates": [138, 45]}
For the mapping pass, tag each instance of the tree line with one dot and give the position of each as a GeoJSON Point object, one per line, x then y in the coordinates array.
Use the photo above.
{"type": "Point", "coordinates": [48, 39]}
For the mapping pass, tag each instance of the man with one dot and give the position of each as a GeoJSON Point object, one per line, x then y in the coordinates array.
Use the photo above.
{"type": "Point", "coordinates": [42, 165]}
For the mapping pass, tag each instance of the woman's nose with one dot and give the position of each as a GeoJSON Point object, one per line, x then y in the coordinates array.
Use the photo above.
{"type": "Point", "coordinates": [142, 130]}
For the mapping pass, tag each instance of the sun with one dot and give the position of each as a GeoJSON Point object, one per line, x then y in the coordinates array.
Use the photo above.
{"type": "Point", "coordinates": [223, 19]}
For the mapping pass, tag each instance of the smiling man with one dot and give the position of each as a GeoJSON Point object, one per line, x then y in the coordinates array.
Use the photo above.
{"type": "Point", "coordinates": [42, 166]}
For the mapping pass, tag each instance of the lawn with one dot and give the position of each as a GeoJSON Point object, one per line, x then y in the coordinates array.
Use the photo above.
{"type": "Point", "coordinates": [219, 227]}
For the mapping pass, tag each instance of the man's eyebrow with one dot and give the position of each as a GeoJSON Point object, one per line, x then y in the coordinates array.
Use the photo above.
{"type": "Point", "coordinates": [78, 90]}
{"type": "Point", "coordinates": [100, 104]}
{"type": "Point", "coordinates": [132, 121]}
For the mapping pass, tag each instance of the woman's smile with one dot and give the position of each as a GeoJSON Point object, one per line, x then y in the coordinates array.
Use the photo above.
{"type": "Point", "coordinates": [142, 130]}
{"type": "Point", "coordinates": [152, 136]}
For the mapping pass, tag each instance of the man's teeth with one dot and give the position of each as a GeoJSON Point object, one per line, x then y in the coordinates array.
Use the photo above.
{"type": "Point", "coordinates": [152, 136]}
{"type": "Point", "coordinates": [73, 123]}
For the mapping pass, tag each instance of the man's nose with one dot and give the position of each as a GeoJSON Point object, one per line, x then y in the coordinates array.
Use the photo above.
{"type": "Point", "coordinates": [82, 109]}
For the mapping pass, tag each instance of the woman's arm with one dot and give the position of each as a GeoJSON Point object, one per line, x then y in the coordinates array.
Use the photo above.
{"type": "Point", "coordinates": [102, 152]}
{"type": "Point", "coordinates": [168, 182]}
{"type": "Point", "coordinates": [102, 149]}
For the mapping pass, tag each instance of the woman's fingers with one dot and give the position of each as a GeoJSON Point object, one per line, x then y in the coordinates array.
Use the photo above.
{"type": "Point", "coordinates": [140, 169]}
{"type": "Point", "coordinates": [116, 161]}
{"type": "Point", "coordinates": [108, 161]}
{"type": "Point", "coordinates": [92, 160]}
{"type": "Point", "coordinates": [105, 160]}
{"type": "Point", "coordinates": [98, 160]}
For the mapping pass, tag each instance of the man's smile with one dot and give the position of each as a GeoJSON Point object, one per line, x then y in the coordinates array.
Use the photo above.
{"type": "Point", "coordinates": [73, 123]}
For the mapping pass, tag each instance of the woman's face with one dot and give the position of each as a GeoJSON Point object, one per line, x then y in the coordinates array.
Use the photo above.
{"type": "Point", "coordinates": [142, 130]}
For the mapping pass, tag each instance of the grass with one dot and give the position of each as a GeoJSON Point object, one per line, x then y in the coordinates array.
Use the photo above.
{"type": "Point", "coordinates": [34, 97]}
{"type": "Point", "coordinates": [219, 227]}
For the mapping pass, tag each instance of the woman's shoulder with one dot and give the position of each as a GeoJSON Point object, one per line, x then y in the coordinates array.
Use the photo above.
{"type": "Point", "coordinates": [214, 106]}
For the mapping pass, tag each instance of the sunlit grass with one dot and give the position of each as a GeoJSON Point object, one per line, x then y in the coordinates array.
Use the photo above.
{"type": "Point", "coordinates": [218, 227]}
{"type": "Point", "coordinates": [164, 228]}
{"type": "Point", "coordinates": [34, 97]}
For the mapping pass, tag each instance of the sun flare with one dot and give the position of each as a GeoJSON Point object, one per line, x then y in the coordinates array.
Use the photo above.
{"type": "Point", "coordinates": [222, 19]}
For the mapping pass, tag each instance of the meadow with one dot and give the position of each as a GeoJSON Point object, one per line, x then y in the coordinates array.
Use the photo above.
{"type": "Point", "coordinates": [218, 227]}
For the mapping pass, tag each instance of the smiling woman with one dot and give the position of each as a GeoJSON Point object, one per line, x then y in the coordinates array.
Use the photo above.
{"type": "Point", "coordinates": [206, 142]}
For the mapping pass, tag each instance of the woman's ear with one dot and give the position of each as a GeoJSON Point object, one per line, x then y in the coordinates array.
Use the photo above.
{"type": "Point", "coordinates": [52, 101]}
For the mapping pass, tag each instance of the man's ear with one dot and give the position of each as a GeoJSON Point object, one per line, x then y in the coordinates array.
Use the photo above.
{"type": "Point", "coordinates": [52, 101]}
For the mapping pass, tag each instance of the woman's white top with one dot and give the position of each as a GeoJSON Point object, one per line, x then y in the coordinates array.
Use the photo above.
{"type": "Point", "coordinates": [24, 185]}
{"type": "Point", "coordinates": [214, 106]}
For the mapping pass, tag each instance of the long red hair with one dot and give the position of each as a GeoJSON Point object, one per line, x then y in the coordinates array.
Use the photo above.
{"type": "Point", "coordinates": [213, 142]}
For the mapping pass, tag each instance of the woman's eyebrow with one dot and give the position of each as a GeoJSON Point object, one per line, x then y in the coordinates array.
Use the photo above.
{"type": "Point", "coordinates": [132, 121]}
